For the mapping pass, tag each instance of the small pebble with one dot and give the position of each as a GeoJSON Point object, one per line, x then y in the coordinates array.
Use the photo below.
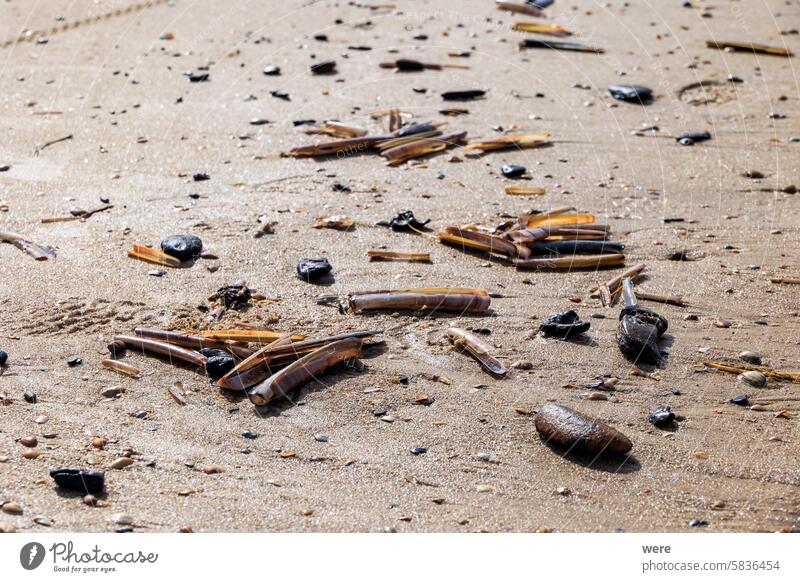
{"type": "Point", "coordinates": [313, 270]}
{"type": "Point", "coordinates": [30, 397]}
{"type": "Point", "coordinates": [513, 170]}
{"type": "Point", "coordinates": [321, 438]}
{"type": "Point", "coordinates": [485, 457]}
{"type": "Point", "coordinates": [661, 417]}
{"type": "Point", "coordinates": [74, 361]}
{"type": "Point", "coordinates": [419, 451]}
{"type": "Point", "coordinates": [29, 441]}
{"type": "Point", "coordinates": [182, 246]}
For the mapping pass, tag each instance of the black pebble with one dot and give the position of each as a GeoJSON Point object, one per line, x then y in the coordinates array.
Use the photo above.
{"type": "Point", "coordinates": [513, 170]}
{"type": "Point", "coordinates": [30, 397]}
{"type": "Point", "coordinates": [313, 270]}
{"type": "Point", "coordinates": [219, 362]}
{"type": "Point", "coordinates": [419, 451]}
{"type": "Point", "coordinates": [691, 138]}
{"type": "Point", "coordinates": [631, 93]}
{"type": "Point", "coordinates": [74, 361]}
{"type": "Point", "coordinates": [182, 246]}
{"type": "Point", "coordinates": [278, 94]}
{"type": "Point", "coordinates": [3, 358]}
{"type": "Point", "coordinates": [740, 400]}
{"type": "Point", "coordinates": [272, 71]}
{"type": "Point", "coordinates": [421, 36]}
{"type": "Point", "coordinates": [661, 417]}
{"type": "Point", "coordinates": [321, 37]}
{"type": "Point", "coordinates": [249, 434]}
{"type": "Point", "coordinates": [637, 340]}
{"type": "Point", "coordinates": [201, 177]}
{"type": "Point", "coordinates": [199, 77]}
{"type": "Point", "coordinates": [5, 168]}
{"type": "Point", "coordinates": [298, 122]}
{"type": "Point", "coordinates": [404, 379]}
{"type": "Point", "coordinates": [76, 480]}
{"type": "Point", "coordinates": [564, 325]}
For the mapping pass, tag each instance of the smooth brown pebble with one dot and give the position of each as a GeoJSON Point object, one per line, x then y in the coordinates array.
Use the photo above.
{"type": "Point", "coordinates": [29, 441]}
{"type": "Point", "coordinates": [121, 463]}
{"type": "Point", "coordinates": [567, 428]}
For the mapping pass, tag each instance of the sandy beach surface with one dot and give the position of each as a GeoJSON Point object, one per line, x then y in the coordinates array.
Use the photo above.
{"type": "Point", "coordinates": [141, 130]}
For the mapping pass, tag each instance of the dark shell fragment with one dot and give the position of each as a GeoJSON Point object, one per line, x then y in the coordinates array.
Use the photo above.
{"type": "Point", "coordinates": [637, 340]}
{"type": "Point", "coordinates": [740, 400]}
{"type": "Point", "coordinates": [272, 71]}
{"type": "Point", "coordinates": [564, 325]}
{"type": "Point", "coordinates": [414, 128]}
{"type": "Point", "coordinates": [408, 65]}
{"type": "Point", "coordinates": [76, 480]}
{"type": "Point", "coordinates": [182, 246]}
{"type": "Point", "coordinates": [234, 296]}
{"type": "Point", "coordinates": [463, 95]}
{"type": "Point", "coordinates": [313, 270]}
{"type": "Point", "coordinates": [661, 417]}
{"type": "Point", "coordinates": [324, 68]}
{"type": "Point", "coordinates": [631, 93]}
{"type": "Point", "coordinates": [405, 222]}
{"type": "Point", "coordinates": [513, 170]}
{"type": "Point", "coordinates": [647, 316]}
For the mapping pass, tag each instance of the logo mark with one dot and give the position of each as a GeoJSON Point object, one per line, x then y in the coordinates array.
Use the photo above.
{"type": "Point", "coordinates": [31, 555]}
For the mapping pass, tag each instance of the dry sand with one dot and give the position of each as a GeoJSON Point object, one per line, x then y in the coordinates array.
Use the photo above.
{"type": "Point", "coordinates": [113, 85]}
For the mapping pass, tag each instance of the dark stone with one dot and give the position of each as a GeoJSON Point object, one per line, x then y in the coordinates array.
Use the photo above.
{"type": "Point", "coordinates": [5, 168]}
{"type": "Point", "coordinates": [298, 122]}
{"type": "Point", "coordinates": [278, 94]}
{"type": "Point", "coordinates": [691, 138]}
{"type": "Point", "coordinates": [513, 170]}
{"type": "Point", "coordinates": [323, 68]}
{"type": "Point", "coordinates": [3, 358]}
{"type": "Point", "coordinates": [199, 77]}
{"type": "Point", "coordinates": [272, 71]}
{"type": "Point", "coordinates": [74, 361]}
{"type": "Point", "coordinates": [219, 362]}
{"type": "Point", "coordinates": [409, 65]}
{"type": "Point", "coordinates": [259, 121]}
{"type": "Point", "coordinates": [740, 400]}
{"type": "Point", "coordinates": [419, 451]}
{"type": "Point", "coordinates": [697, 522]}
{"type": "Point", "coordinates": [463, 95]}
{"type": "Point", "coordinates": [421, 36]}
{"type": "Point", "coordinates": [321, 37]}
{"type": "Point", "coordinates": [404, 379]}
{"type": "Point", "coordinates": [84, 482]}
{"type": "Point", "coordinates": [201, 177]}
{"type": "Point", "coordinates": [661, 417]}
{"type": "Point", "coordinates": [631, 93]}
{"type": "Point", "coordinates": [182, 246]}
{"type": "Point", "coordinates": [30, 397]}
{"type": "Point", "coordinates": [234, 296]}
{"type": "Point", "coordinates": [249, 434]}
{"type": "Point", "coordinates": [312, 270]}
{"type": "Point", "coordinates": [564, 325]}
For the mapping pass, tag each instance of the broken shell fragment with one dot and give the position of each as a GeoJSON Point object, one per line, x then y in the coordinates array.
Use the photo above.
{"type": "Point", "coordinates": [463, 95]}
{"type": "Point", "coordinates": [476, 348]}
{"type": "Point", "coordinates": [121, 367]}
{"type": "Point", "coordinates": [753, 378]}
{"type": "Point", "coordinates": [661, 417]}
{"type": "Point", "coordinates": [637, 339]}
{"type": "Point", "coordinates": [577, 432]}
{"type": "Point", "coordinates": [517, 141]}
{"type": "Point", "coordinates": [564, 325]}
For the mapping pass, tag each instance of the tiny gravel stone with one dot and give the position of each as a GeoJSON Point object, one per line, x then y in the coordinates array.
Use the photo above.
{"type": "Point", "coordinates": [30, 397]}
{"type": "Point", "coordinates": [90, 500]}
{"type": "Point", "coordinates": [419, 451]}
{"type": "Point", "coordinates": [74, 361]}
{"type": "Point", "coordinates": [697, 523]}
{"type": "Point", "coordinates": [249, 434]}
{"type": "Point", "coordinates": [121, 519]}
{"type": "Point", "coordinates": [321, 438]}
{"type": "Point", "coordinates": [140, 414]}
{"type": "Point", "coordinates": [272, 71]}
{"type": "Point", "coordinates": [485, 457]}
{"type": "Point", "coordinates": [121, 463]}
